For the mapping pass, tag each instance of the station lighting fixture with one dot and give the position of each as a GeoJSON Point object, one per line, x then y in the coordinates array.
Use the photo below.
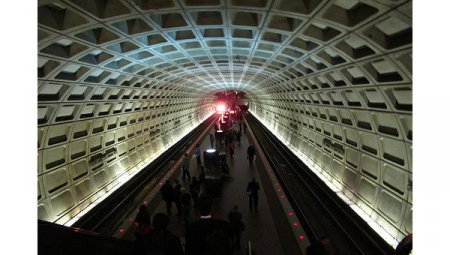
{"type": "Point", "coordinates": [220, 108]}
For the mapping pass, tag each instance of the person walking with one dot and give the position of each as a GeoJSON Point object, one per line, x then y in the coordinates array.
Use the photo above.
{"type": "Point", "coordinates": [235, 218]}
{"type": "Point", "coordinates": [231, 147]}
{"type": "Point", "coordinates": [143, 226]}
{"type": "Point", "coordinates": [198, 155]}
{"type": "Point", "coordinates": [208, 235]}
{"type": "Point", "coordinates": [160, 240]}
{"type": "Point", "coordinates": [202, 175]}
{"type": "Point", "coordinates": [167, 195]}
{"type": "Point", "coordinates": [176, 197]}
{"type": "Point", "coordinates": [142, 221]}
{"type": "Point", "coordinates": [211, 139]}
{"type": "Point", "coordinates": [238, 137]}
{"type": "Point", "coordinates": [252, 191]}
{"type": "Point", "coordinates": [250, 153]}
{"type": "Point", "coordinates": [186, 203]}
{"type": "Point", "coordinates": [194, 189]}
{"type": "Point", "coordinates": [186, 163]}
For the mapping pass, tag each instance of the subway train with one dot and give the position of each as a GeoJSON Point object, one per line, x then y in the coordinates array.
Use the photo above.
{"type": "Point", "coordinates": [126, 87]}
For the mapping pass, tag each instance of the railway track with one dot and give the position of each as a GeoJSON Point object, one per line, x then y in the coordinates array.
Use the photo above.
{"type": "Point", "coordinates": [106, 216]}
{"type": "Point", "coordinates": [322, 213]}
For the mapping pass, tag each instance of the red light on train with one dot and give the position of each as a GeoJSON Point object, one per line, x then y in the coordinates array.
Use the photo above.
{"type": "Point", "coordinates": [121, 230]}
{"type": "Point", "coordinates": [301, 237]}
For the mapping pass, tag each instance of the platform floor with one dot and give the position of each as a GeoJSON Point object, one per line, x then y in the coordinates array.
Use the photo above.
{"type": "Point", "coordinates": [260, 227]}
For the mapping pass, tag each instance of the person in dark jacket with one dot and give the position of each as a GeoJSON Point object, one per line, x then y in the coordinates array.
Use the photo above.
{"type": "Point", "coordinates": [167, 195]}
{"type": "Point", "coordinates": [250, 154]}
{"type": "Point", "coordinates": [177, 196]}
{"type": "Point", "coordinates": [142, 218]}
{"type": "Point", "coordinates": [194, 189]}
{"type": "Point", "coordinates": [404, 247]}
{"type": "Point", "coordinates": [238, 137]}
{"type": "Point", "coordinates": [143, 226]}
{"type": "Point", "coordinates": [161, 241]}
{"type": "Point", "coordinates": [252, 191]}
{"type": "Point", "coordinates": [185, 167]}
{"type": "Point", "coordinates": [202, 175]}
{"type": "Point", "coordinates": [231, 147]}
{"type": "Point", "coordinates": [208, 236]}
{"type": "Point", "coordinates": [235, 218]}
{"type": "Point", "coordinates": [186, 203]}
{"type": "Point", "coordinates": [211, 139]}
{"type": "Point", "coordinates": [198, 155]}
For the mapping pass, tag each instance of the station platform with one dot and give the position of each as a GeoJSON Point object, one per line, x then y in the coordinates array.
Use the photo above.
{"type": "Point", "coordinates": [264, 227]}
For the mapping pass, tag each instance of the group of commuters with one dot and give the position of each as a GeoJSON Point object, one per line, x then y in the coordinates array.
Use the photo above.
{"type": "Point", "coordinates": [184, 200]}
{"type": "Point", "coordinates": [233, 134]}
{"type": "Point", "coordinates": [204, 236]}
{"type": "Point", "coordinates": [156, 239]}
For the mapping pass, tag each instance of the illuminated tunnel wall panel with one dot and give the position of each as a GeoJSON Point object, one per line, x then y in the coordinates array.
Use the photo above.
{"type": "Point", "coordinates": [366, 150]}
{"type": "Point", "coordinates": [74, 168]}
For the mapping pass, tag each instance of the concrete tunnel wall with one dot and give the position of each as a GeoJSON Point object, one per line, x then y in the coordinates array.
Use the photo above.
{"type": "Point", "coordinates": [120, 80]}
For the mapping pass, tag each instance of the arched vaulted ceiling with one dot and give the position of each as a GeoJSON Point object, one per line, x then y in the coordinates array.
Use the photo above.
{"type": "Point", "coordinates": [338, 70]}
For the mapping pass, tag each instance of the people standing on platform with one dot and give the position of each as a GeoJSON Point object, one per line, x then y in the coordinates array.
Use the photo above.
{"type": "Point", "coordinates": [211, 139]}
{"type": "Point", "coordinates": [252, 192]}
{"type": "Point", "coordinates": [207, 235]}
{"type": "Point", "coordinates": [186, 203]}
{"type": "Point", "coordinates": [235, 218]}
{"type": "Point", "coordinates": [167, 196]}
{"type": "Point", "coordinates": [230, 136]}
{"type": "Point", "coordinates": [240, 126]}
{"type": "Point", "coordinates": [194, 189]}
{"type": "Point", "coordinates": [186, 163]}
{"type": "Point", "coordinates": [404, 247]}
{"type": "Point", "coordinates": [143, 226]}
{"type": "Point", "coordinates": [177, 196]}
{"type": "Point", "coordinates": [198, 154]}
{"type": "Point", "coordinates": [202, 175]}
{"type": "Point", "coordinates": [161, 241]}
{"type": "Point", "coordinates": [238, 137]}
{"type": "Point", "coordinates": [142, 221]}
{"type": "Point", "coordinates": [245, 128]}
{"type": "Point", "coordinates": [323, 246]}
{"type": "Point", "coordinates": [231, 147]}
{"type": "Point", "coordinates": [250, 153]}
{"type": "Point", "coordinates": [224, 167]}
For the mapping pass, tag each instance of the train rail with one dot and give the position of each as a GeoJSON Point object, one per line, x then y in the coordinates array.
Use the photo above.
{"type": "Point", "coordinates": [322, 213]}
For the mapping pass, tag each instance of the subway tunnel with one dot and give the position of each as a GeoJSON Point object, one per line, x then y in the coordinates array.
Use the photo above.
{"type": "Point", "coordinates": [121, 81]}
